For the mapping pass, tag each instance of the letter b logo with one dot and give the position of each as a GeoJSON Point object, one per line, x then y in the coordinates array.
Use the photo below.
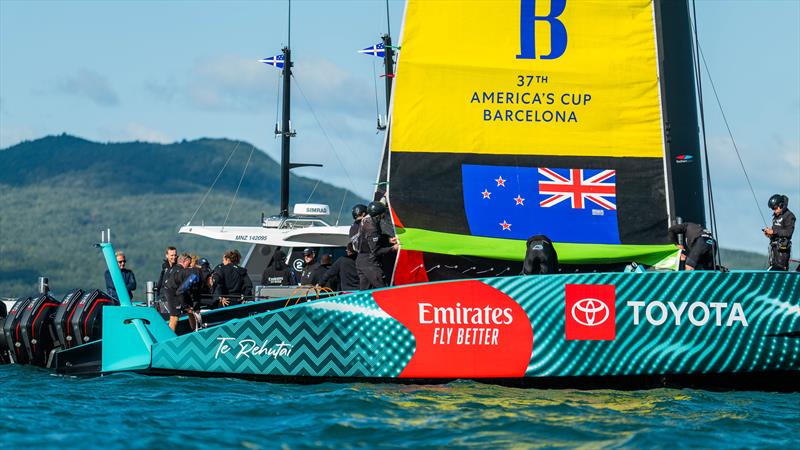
{"type": "Point", "coordinates": [527, 29]}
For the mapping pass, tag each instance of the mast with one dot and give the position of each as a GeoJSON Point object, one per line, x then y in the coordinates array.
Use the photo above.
{"type": "Point", "coordinates": [388, 67]}
{"type": "Point", "coordinates": [388, 59]}
{"type": "Point", "coordinates": [388, 73]}
{"type": "Point", "coordinates": [286, 132]}
{"type": "Point", "coordinates": [679, 106]}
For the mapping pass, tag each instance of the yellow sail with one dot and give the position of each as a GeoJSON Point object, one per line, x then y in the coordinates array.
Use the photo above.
{"type": "Point", "coordinates": [461, 86]}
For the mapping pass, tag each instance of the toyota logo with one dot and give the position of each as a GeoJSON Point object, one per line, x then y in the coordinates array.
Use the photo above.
{"type": "Point", "coordinates": [590, 312]}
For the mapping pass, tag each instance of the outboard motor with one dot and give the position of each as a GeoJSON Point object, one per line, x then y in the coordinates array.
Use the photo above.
{"type": "Point", "coordinates": [4, 357]}
{"type": "Point", "coordinates": [37, 329]}
{"type": "Point", "coordinates": [62, 317]}
{"type": "Point", "coordinates": [12, 332]}
{"type": "Point", "coordinates": [86, 320]}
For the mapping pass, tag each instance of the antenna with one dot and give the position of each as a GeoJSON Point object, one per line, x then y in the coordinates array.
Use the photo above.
{"type": "Point", "coordinates": [388, 25]}
{"type": "Point", "coordinates": [289, 28]}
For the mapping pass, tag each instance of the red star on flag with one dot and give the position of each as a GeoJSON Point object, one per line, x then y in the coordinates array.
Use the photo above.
{"type": "Point", "coordinates": [519, 200]}
{"type": "Point", "coordinates": [500, 181]}
{"type": "Point", "coordinates": [486, 194]}
{"type": "Point", "coordinates": [505, 225]}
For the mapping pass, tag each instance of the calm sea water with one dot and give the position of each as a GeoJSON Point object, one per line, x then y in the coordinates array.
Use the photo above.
{"type": "Point", "coordinates": [42, 410]}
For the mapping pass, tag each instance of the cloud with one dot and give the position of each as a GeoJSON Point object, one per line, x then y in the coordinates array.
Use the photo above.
{"type": "Point", "coordinates": [131, 131]}
{"type": "Point", "coordinates": [138, 132]}
{"type": "Point", "coordinates": [231, 83]}
{"type": "Point", "coordinates": [773, 167]}
{"type": "Point", "coordinates": [90, 85]}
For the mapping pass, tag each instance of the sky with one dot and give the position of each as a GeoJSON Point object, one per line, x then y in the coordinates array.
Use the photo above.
{"type": "Point", "coordinates": [165, 71]}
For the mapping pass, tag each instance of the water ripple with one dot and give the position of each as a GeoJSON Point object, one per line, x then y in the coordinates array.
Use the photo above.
{"type": "Point", "coordinates": [130, 411]}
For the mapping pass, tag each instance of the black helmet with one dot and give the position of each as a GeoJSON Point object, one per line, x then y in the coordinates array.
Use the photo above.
{"type": "Point", "coordinates": [359, 210]}
{"type": "Point", "coordinates": [202, 262]}
{"type": "Point", "coordinates": [376, 209]}
{"type": "Point", "coordinates": [777, 201]}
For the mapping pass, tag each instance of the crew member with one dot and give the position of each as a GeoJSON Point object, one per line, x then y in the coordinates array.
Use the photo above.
{"type": "Point", "coordinates": [780, 233]}
{"type": "Point", "coordinates": [312, 271]}
{"type": "Point", "coordinates": [127, 277]}
{"type": "Point", "coordinates": [369, 248]}
{"type": "Point", "coordinates": [359, 212]}
{"type": "Point", "coordinates": [170, 259]}
{"type": "Point", "coordinates": [231, 282]}
{"type": "Point", "coordinates": [277, 273]}
{"type": "Point", "coordinates": [344, 269]}
{"type": "Point", "coordinates": [205, 293]}
{"type": "Point", "coordinates": [698, 247]}
{"type": "Point", "coordinates": [173, 279]}
{"type": "Point", "coordinates": [540, 256]}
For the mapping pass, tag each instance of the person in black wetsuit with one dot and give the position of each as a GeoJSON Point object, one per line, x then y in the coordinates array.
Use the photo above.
{"type": "Point", "coordinates": [344, 269]}
{"type": "Point", "coordinates": [359, 212]}
{"type": "Point", "coordinates": [780, 233]}
{"type": "Point", "coordinates": [232, 285]}
{"type": "Point", "coordinates": [312, 271]}
{"type": "Point", "coordinates": [127, 276]}
{"type": "Point", "coordinates": [540, 256]}
{"type": "Point", "coordinates": [277, 273]}
{"type": "Point", "coordinates": [698, 248]}
{"type": "Point", "coordinates": [370, 250]}
{"type": "Point", "coordinates": [170, 259]}
{"type": "Point", "coordinates": [176, 303]}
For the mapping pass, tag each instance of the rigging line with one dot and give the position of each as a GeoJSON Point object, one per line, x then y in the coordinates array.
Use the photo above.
{"type": "Point", "coordinates": [325, 133]}
{"type": "Point", "coordinates": [308, 200]}
{"type": "Point", "coordinates": [375, 84]}
{"type": "Point", "coordinates": [709, 188]}
{"type": "Point", "coordinates": [341, 207]}
{"type": "Point", "coordinates": [215, 182]}
{"type": "Point", "coordinates": [730, 134]}
{"type": "Point", "coordinates": [277, 100]}
{"type": "Point", "coordinates": [236, 193]}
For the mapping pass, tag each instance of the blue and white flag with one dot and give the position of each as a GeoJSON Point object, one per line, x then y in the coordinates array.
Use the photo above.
{"type": "Point", "coordinates": [276, 61]}
{"type": "Point", "coordinates": [567, 205]}
{"type": "Point", "coordinates": [376, 50]}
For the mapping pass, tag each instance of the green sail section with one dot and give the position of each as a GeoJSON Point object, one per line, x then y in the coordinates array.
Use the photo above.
{"type": "Point", "coordinates": [660, 256]}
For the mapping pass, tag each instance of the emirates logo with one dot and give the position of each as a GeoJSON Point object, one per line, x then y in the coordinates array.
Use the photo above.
{"type": "Point", "coordinates": [590, 312]}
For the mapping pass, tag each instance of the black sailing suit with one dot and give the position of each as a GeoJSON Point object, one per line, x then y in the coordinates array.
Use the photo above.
{"type": "Point", "coordinates": [174, 302]}
{"type": "Point", "coordinates": [699, 244]}
{"type": "Point", "coordinates": [232, 282]}
{"type": "Point", "coordinates": [277, 273]}
{"type": "Point", "coordinates": [311, 274]}
{"type": "Point", "coordinates": [780, 243]}
{"type": "Point", "coordinates": [161, 277]}
{"type": "Point", "coordinates": [370, 251]}
{"type": "Point", "coordinates": [344, 269]}
{"type": "Point", "coordinates": [540, 256]}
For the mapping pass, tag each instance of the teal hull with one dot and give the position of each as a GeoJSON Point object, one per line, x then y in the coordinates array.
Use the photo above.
{"type": "Point", "coordinates": [581, 326]}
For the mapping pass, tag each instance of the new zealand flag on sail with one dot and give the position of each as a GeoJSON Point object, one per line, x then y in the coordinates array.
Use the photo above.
{"type": "Point", "coordinates": [566, 204]}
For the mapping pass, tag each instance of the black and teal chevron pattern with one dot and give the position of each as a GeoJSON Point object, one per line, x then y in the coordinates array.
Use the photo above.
{"type": "Point", "coordinates": [349, 336]}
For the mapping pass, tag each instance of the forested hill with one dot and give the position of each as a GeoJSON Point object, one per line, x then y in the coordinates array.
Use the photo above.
{"type": "Point", "coordinates": [138, 168]}
{"type": "Point", "coordinates": [58, 192]}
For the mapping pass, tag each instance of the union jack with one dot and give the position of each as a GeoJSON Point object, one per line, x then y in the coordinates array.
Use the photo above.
{"type": "Point", "coordinates": [599, 188]}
